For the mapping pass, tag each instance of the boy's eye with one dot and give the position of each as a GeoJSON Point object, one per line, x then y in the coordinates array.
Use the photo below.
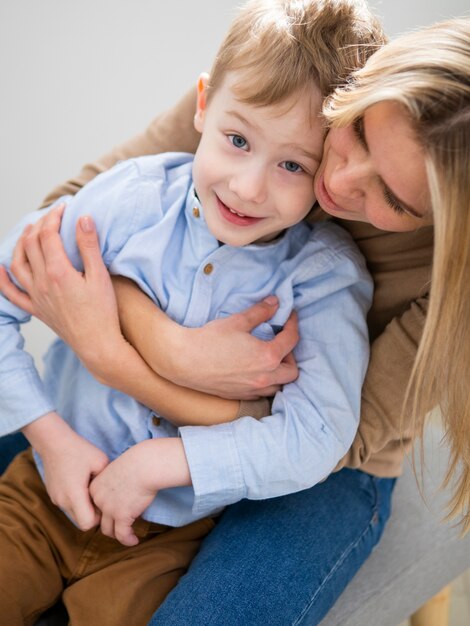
{"type": "Point", "coordinates": [238, 141]}
{"type": "Point", "coordinates": [291, 166]}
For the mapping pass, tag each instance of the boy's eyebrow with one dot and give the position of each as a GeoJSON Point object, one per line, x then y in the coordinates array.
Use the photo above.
{"type": "Point", "coordinates": [242, 119]}
{"type": "Point", "coordinates": [311, 155]}
{"type": "Point", "coordinates": [292, 146]}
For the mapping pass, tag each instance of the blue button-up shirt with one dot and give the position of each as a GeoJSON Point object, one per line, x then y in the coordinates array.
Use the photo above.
{"type": "Point", "coordinates": [149, 232]}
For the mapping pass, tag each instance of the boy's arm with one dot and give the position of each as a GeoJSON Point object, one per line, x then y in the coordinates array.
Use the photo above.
{"type": "Point", "coordinates": [70, 462]}
{"type": "Point", "coordinates": [172, 131]}
{"type": "Point", "coordinates": [25, 404]}
{"type": "Point", "coordinates": [128, 485]}
{"type": "Point", "coordinates": [313, 420]}
{"type": "Point", "coordinates": [221, 358]}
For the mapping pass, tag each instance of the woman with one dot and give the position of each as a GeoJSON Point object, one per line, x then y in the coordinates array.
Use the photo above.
{"type": "Point", "coordinates": [396, 158]}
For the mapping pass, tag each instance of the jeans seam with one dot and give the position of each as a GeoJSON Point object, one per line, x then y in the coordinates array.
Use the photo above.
{"type": "Point", "coordinates": [343, 556]}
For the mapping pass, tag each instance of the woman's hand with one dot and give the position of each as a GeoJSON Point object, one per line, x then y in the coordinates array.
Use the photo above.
{"type": "Point", "coordinates": [80, 307]}
{"type": "Point", "coordinates": [221, 358]}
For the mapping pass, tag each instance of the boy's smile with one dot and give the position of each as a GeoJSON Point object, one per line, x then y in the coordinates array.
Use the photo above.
{"type": "Point", "coordinates": [234, 216]}
{"type": "Point", "coordinates": [254, 167]}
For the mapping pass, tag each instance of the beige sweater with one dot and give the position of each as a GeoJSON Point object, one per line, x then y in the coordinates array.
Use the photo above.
{"type": "Point", "coordinates": [400, 264]}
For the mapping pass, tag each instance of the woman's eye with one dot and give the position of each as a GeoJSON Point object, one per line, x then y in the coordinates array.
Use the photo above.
{"type": "Point", "coordinates": [292, 166]}
{"type": "Point", "coordinates": [358, 128]}
{"type": "Point", "coordinates": [393, 202]}
{"type": "Point", "coordinates": [238, 141]}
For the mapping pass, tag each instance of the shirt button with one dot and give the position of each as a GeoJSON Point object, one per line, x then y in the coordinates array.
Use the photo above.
{"type": "Point", "coordinates": [208, 269]}
{"type": "Point", "coordinates": [156, 420]}
{"type": "Point", "coordinates": [196, 212]}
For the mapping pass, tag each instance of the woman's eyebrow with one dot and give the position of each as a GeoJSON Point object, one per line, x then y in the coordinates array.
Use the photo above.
{"type": "Point", "coordinates": [406, 207]}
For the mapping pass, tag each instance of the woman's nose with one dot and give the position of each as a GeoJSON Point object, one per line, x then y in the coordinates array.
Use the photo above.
{"type": "Point", "coordinates": [350, 177]}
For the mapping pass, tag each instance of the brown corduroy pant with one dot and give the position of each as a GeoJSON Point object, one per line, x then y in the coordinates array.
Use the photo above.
{"type": "Point", "coordinates": [44, 557]}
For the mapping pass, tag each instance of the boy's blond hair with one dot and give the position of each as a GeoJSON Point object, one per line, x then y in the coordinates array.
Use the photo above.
{"type": "Point", "coordinates": [285, 46]}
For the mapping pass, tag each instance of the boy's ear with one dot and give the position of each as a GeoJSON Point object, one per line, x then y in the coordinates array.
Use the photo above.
{"type": "Point", "coordinates": [201, 101]}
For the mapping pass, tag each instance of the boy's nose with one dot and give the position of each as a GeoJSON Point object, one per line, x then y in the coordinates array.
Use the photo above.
{"type": "Point", "coordinates": [249, 184]}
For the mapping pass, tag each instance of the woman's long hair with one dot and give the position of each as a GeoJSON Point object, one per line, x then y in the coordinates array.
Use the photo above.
{"type": "Point", "coordinates": [428, 73]}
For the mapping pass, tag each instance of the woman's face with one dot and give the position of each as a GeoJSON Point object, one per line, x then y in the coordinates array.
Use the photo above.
{"type": "Point", "coordinates": [373, 171]}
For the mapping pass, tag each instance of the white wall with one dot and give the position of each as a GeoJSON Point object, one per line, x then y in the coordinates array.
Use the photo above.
{"type": "Point", "coordinates": [79, 77]}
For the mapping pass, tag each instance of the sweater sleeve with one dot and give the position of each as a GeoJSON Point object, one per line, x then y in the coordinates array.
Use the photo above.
{"type": "Point", "coordinates": [382, 427]}
{"type": "Point", "coordinates": [172, 131]}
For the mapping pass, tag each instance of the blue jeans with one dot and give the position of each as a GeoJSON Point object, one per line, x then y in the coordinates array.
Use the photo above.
{"type": "Point", "coordinates": [282, 561]}
{"type": "Point", "coordinates": [10, 445]}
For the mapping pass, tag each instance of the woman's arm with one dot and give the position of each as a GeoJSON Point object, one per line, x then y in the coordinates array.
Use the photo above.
{"type": "Point", "coordinates": [168, 132]}
{"type": "Point", "coordinates": [67, 300]}
{"type": "Point", "coordinates": [400, 264]}
{"type": "Point", "coordinates": [221, 358]}
{"type": "Point", "coordinates": [384, 433]}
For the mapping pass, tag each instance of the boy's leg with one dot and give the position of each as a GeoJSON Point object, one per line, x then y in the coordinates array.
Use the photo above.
{"type": "Point", "coordinates": [30, 580]}
{"type": "Point", "coordinates": [39, 545]}
{"type": "Point", "coordinates": [278, 561]}
{"type": "Point", "coordinates": [114, 584]}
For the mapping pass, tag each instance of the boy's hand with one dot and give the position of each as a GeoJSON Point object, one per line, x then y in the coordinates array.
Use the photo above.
{"type": "Point", "coordinates": [70, 463]}
{"type": "Point", "coordinates": [128, 485]}
{"type": "Point", "coordinates": [122, 492]}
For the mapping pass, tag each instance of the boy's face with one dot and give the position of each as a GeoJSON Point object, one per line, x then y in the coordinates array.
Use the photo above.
{"type": "Point", "coordinates": [254, 168]}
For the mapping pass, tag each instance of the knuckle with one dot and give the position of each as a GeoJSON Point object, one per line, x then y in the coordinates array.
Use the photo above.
{"type": "Point", "coordinates": [45, 233]}
{"type": "Point", "coordinates": [54, 272]}
{"type": "Point", "coordinates": [85, 524]}
{"type": "Point", "coordinates": [261, 381]}
{"type": "Point", "coordinates": [14, 266]}
{"type": "Point", "coordinates": [271, 357]}
{"type": "Point", "coordinates": [29, 240]}
{"type": "Point", "coordinates": [54, 499]}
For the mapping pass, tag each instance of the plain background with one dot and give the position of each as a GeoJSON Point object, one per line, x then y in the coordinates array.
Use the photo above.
{"type": "Point", "coordinates": [80, 77]}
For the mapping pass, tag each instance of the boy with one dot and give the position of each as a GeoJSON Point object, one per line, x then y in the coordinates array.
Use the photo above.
{"type": "Point", "coordinates": [203, 240]}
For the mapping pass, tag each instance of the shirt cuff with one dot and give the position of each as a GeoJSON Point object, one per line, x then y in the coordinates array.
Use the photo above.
{"type": "Point", "coordinates": [214, 464]}
{"type": "Point", "coordinates": [22, 400]}
{"type": "Point", "coordinates": [255, 408]}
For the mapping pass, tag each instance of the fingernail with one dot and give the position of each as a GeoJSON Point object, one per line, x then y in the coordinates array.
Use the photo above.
{"type": "Point", "coordinates": [60, 206]}
{"type": "Point", "coordinates": [270, 300]}
{"type": "Point", "coordinates": [86, 224]}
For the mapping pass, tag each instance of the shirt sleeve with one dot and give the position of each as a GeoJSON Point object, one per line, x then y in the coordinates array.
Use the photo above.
{"type": "Point", "coordinates": [314, 419]}
{"type": "Point", "coordinates": [172, 131]}
{"type": "Point", "coordinates": [110, 200]}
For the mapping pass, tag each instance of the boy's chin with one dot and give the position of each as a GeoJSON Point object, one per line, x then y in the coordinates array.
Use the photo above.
{"type": "Point", "coordinates": [239, 242]}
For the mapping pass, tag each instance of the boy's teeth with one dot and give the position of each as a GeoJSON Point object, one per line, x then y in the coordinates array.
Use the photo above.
{"type": "Point", "coordinates": [239, 214]}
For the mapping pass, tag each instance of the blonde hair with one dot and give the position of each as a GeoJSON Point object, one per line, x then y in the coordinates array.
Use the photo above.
{"type": "Point", "coordinates": [428, 73]}
{"type": "Point", "coordinates": [283, 46]}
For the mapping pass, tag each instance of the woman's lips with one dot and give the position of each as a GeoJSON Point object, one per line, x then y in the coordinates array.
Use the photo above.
{"type": "Point", "coordinates": [234, 217]}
